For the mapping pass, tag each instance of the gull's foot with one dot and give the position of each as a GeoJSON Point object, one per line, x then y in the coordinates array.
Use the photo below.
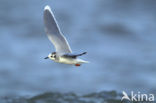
{"type": "Point", "coordinates": [77, 64]}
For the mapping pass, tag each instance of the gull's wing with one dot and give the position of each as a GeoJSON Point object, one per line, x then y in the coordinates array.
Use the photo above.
{"type": "Point", "coordinates": [53, 31]}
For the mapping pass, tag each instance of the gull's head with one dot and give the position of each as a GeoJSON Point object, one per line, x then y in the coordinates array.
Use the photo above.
{"type": "Point", "coordinates": [51, 56]}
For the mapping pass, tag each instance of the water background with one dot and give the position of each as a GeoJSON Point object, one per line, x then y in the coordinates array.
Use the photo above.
{"type": "Point", "coordinates": [119, 36]}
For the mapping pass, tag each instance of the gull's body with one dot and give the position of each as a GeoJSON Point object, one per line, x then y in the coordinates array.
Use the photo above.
{"type": "Point", "coordinates": [63, 52]}
{"type": "Point", "coordinates": [69, 60]}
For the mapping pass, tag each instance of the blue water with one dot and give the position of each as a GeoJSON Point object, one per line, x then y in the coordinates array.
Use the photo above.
{"type": "Point", "coordinates": [119, 37]}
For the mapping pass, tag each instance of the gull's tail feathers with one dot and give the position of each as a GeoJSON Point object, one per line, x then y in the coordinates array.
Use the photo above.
{"type": "Point", "coordinates": [82, 61]}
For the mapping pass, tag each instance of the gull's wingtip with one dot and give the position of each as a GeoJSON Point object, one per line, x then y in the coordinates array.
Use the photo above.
{"type": "Point", "coordinates": [47, 7]}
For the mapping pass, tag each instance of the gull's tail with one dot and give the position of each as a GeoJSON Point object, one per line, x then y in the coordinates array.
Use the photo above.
{"type": "Point", "coordinates": [82, 61]}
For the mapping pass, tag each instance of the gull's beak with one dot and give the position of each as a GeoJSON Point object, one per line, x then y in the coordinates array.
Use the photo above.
{"type": "Point", "coordinates": [46, 57]}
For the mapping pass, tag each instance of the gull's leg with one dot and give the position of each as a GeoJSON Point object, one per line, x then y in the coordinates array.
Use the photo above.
{"type": "Point", "coordinates": [77, 65]}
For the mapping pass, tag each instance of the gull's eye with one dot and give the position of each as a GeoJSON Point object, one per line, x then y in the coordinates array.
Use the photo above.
{"type": "Point", "coordinates": [51, 56]}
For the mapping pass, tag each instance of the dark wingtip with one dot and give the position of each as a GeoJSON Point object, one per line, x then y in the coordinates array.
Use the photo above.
{"type": "Point", "coordinates": [84, 53]}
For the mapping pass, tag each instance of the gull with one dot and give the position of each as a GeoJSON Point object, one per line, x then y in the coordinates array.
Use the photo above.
{"type": "Point", "coordinates": [63, 52]}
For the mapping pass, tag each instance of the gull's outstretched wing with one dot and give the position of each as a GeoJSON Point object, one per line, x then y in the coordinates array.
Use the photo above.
{"type": "Point", "coordinates": [53, 31]}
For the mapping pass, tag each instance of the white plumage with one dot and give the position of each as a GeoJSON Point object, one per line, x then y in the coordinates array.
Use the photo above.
{"type": "Point", "coordinates": [63, 52]}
